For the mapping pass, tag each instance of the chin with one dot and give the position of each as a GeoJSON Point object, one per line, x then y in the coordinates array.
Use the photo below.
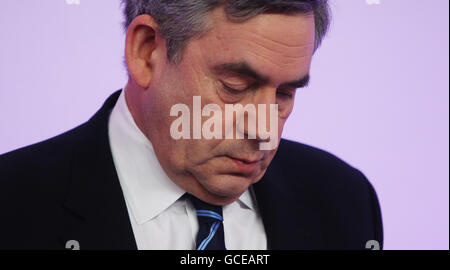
{"type": "Point", "coordinates": [226, 185]}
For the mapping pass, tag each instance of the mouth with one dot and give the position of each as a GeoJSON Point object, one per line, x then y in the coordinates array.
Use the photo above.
{"type": "Point", "coordinates": [246, 165]}
{"type": "Point", "coordinates": [246, 160]}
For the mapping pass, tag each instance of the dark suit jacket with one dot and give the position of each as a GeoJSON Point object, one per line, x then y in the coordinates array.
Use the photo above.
{"type": "Point", "coordinates": [66, 188]}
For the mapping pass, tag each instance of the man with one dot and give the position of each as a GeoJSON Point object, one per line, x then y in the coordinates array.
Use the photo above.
{"type": "Point", "coordinates": [123, 180]}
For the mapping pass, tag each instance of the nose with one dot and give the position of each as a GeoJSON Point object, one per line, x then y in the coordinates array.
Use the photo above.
{"type": "Point", "coordinates": [257, 123]}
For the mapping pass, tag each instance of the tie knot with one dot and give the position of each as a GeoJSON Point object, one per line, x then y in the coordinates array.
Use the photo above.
{"type": "Point", "coordinates": [205, 209]}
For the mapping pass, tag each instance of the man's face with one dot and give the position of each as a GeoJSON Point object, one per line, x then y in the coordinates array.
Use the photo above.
{"type": "Point", "coordinates": [277, 48]}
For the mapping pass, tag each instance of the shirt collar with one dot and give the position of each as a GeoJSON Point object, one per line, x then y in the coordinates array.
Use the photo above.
{"type": "Point", "coordinates": [147, 188]}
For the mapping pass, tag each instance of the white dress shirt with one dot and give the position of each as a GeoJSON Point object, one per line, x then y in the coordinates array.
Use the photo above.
{"type": "Point", "coordinates": [160, 218]}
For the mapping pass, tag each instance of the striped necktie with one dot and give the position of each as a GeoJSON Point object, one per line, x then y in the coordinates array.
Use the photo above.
{"type": "Point", "coordinates": [210, 235]}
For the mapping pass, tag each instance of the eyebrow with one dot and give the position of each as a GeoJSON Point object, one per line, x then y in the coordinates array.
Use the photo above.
{"type": "Point", "coordinates": [243, 68]}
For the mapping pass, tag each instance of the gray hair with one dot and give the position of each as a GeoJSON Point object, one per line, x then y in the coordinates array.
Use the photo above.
{"type": "Point", "coordinates": [180, 20]}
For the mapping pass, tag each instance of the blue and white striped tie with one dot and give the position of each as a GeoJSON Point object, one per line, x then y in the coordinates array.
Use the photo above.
{"type": "Point", "coordinates": [210, 235]}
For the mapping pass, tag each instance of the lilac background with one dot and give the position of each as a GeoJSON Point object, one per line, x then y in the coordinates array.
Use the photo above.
{"type": "Point", "coordinates": [379, 95]}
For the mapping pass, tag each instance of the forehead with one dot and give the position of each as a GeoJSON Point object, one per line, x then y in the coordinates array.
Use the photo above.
{"type": "Point", "coordinates": [270, 43]}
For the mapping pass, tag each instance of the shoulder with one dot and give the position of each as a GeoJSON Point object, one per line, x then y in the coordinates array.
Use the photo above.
{"type": "Point", "coordinates": [305, 160]}
{"type": "Point", "coordinates": [53, 155]}
{"type": "Point", "coordinates": [39, 170]}
{"type": "Point", "coordinates": [319, 171]}
{"type": "Point", "coordinates": [342, 194]}
{"type": "Point", "coordinates": [34, 181]}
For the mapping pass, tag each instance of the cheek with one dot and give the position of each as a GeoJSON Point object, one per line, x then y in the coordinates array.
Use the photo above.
{"type": "Point", "coordinates": [182, 156]}
{"type": "Point", "coordinates": [191, 153]}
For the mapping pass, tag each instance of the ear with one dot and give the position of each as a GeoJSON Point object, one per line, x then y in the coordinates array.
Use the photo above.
{"type": "Point", "coordinates": [141, 52]}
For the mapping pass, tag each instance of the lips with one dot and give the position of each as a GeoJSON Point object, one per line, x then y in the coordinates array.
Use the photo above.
{"type": "Point", "coordinates": [246, 165]}
{"type": "Point", "coordinates": [247, 160]}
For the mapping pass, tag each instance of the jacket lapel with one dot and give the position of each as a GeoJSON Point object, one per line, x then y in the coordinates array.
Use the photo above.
{"type": "Point", "coordinates": [96, 214]}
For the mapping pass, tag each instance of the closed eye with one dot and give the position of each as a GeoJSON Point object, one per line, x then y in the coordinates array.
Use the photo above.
{"type": "Point", "coordinates": [234, 90]}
